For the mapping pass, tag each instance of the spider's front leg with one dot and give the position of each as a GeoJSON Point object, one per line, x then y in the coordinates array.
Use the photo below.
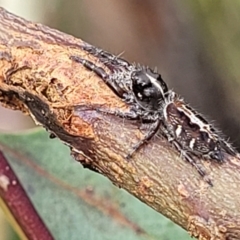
{"type": "Point", "coordinates": [110, 60]}
{"type": "Point", "coordinates": [91, 66]}
{"type": "Point", "coordinates": [107, 78]}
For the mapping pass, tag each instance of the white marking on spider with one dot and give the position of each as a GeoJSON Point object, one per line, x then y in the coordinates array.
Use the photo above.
{"type": "Point", "coordinates": [192, 143]}
{"type": "Point", "coordinates": [178, 130]}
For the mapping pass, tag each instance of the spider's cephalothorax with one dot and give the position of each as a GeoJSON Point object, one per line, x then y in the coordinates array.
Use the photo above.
{"type": "Point", "coordinates": [151, 102]}
{"type": "Point", "coordinates": [149, 89]}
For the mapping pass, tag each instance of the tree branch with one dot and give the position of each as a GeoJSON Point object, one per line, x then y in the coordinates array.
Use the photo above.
{"type": "Point", "coordinates": [38, 78]}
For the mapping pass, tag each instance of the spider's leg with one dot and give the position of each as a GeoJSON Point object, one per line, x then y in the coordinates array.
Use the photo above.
{"type": "Point", "coordinates": [91, 66]}
{"type": "Point", "coordinates": [184, 154]}
{"type": "Point", "coordinates": [152, 131]}
{"type": "Point", "coordinates": [228, 148]}
{"type": "Point", "coordinates": [107, 78]}
{"type": "Point", "coordinates": [187, 156]}
{"type": "Point", "coordinates": [110, 60]}
{"type": "Point", "coordinates": [180, 149]}
{"type": "Point", "coordinates": [131, 115]}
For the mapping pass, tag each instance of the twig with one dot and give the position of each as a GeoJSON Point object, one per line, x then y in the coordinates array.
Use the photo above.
{"type": "Point", "coordinates": [16, 202]}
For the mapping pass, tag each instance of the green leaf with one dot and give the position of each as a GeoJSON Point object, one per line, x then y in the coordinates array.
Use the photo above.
{"type": "Point", "coordinates": [76, 203]}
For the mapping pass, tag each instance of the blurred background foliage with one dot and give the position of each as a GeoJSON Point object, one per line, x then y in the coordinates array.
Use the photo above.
{"type": "Point", "coordinates": [194, 44]}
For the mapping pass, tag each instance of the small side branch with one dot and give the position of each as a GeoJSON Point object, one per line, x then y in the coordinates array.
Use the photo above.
{"type": "Point", "coordinates": [17, 204]}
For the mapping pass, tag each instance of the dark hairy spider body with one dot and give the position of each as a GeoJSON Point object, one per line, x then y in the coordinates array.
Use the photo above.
{"type": "Point", "coordinates": [192, 132]}
{"type": "Point", "coordinates": [151, 102]}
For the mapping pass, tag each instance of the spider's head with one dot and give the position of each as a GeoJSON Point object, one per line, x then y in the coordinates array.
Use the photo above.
{"type": "Point", "coordinates": [149, 89]}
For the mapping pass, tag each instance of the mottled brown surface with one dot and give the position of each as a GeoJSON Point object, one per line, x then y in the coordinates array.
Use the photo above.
{"type": "Point", "coordinates": [37, 77]}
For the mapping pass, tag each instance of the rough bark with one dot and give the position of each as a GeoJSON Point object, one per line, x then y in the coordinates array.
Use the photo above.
{"type": "Point", "coordinates": [38, 78]}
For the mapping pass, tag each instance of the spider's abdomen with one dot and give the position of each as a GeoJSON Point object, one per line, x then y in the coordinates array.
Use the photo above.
{"type": "Point", "coordinates": [193, 132]}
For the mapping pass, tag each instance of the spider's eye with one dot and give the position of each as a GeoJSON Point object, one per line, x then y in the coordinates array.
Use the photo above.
{"type": "Point", "coordinates": [148, 88]}
{"type": "Point", "coordinates": [140, 80]}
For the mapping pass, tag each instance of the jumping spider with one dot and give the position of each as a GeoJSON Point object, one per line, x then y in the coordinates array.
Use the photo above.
{"type": "Point", "coordinates": [153, 103]}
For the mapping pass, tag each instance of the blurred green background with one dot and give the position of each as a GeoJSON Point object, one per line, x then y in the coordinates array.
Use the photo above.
{"type": "Point", "coordinates": [194, 44]}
